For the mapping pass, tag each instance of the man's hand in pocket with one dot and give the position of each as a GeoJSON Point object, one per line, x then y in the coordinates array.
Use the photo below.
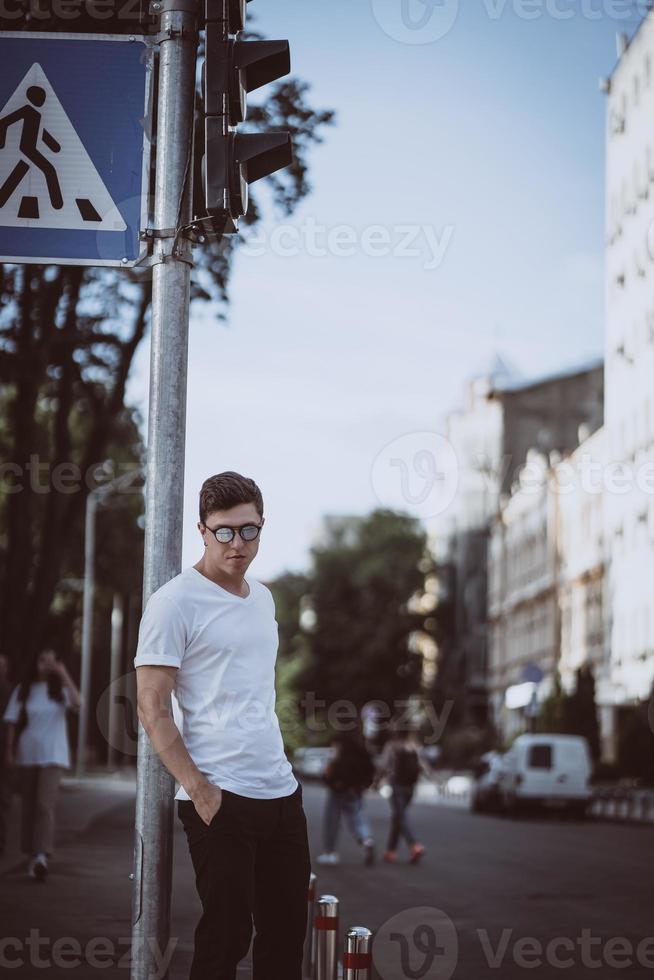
{"type": "Point", "coordinates": [207, 800]}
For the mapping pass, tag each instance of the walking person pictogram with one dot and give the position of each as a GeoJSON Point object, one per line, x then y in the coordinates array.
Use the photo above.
{"type": "Point", "coordinates": [29, 140]}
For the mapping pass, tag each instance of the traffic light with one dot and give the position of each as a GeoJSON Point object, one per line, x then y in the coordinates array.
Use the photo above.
{"type": "Point", "coordinates": [233, 68]}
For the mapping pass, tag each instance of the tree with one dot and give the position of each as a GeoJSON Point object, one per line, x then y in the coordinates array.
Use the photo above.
{"type": "Point", "coordinates": [362, 580]}
{"type": "Point", "coordinates": [65, 354]}
{"type": "Point", "coordinates": [581, 710]}
{"type": "Point", "coordinates": [575, 713]}
{"type": "Point", "coordinates": [636, 740]}
{"type": "Point", "coordinates": [68, 337]}
{"type": "Point", "coordinates": [289, 591]}
{"type": "Point", "coordinates": [552, 715]}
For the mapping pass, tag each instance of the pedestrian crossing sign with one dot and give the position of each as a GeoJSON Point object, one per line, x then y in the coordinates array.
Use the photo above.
{"type": "Point", "coordinates": [74, 148]}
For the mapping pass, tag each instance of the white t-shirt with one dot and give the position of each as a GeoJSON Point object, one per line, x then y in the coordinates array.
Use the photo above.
{"type": "Point", "coordinates": [44, 740]}
{"type": "Point", "coordinates": [225, 648]}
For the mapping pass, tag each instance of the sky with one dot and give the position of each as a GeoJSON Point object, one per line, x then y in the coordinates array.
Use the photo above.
{"type": "Point", "coordinates": [457, 211]}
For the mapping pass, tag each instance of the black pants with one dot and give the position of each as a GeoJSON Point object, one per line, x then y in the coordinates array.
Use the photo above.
{"type": "Point", "coordinates": [251, 862]}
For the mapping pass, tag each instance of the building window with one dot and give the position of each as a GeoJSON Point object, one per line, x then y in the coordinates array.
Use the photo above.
{"type": "Point", "coordinates": [640, 180]}
{"type": "Point", "coordinates": [646, 429]}
{"type": "Point", "coordinates": [636, 441]}
{"type": "Point", "coordinates": [649, 156]}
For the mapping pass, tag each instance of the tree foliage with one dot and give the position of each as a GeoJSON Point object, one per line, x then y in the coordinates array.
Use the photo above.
{"type": "Point", "coordinates": [574, 713]}
{"type": "Point", "coordinates": [363, 577]}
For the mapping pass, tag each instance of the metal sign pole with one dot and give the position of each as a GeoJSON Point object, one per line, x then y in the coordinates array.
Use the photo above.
{"type": "Point", "coordinates": [166, 437]}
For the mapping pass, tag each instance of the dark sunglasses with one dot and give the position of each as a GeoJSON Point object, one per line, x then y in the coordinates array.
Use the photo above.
{"type": "Point", "coordinates": [248, 532]}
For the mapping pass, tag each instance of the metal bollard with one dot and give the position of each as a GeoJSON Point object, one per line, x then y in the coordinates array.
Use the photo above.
{"type": "Point", "coordinates": [326, 929]}
{"type": "Point", "coordinates": [309, 960]}
{"type": "Point", "coordinates": [357, 958]}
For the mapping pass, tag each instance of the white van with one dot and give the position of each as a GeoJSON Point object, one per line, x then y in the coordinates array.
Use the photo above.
{"type": "Point", "coordinates": [546, 770]}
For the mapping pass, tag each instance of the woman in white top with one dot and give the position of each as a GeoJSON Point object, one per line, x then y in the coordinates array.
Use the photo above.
{"type": "Point", "coordinates": [37, 743]}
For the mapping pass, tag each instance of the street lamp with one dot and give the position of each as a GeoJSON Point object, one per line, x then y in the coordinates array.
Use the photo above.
{"type": "Point", "coordinates": [94, 499]}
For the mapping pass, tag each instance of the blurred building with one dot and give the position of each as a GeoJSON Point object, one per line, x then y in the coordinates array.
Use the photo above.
{"type": "Point", "coordinates": [546, 585]}
{"type": "Point", "coordinates": [546, 571]}
{"type": "Point", "coordinates": [523, 611]}
{"type": "Point", "coordinates": [582, 561]}
{"type": "Point", "coordinates": [629, 371]}
{"type": "Point", "coordinates": [503, 418]}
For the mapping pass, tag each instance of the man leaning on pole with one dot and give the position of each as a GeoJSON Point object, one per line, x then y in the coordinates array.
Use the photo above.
{"type": "Point", "coordinates": [210, 636]}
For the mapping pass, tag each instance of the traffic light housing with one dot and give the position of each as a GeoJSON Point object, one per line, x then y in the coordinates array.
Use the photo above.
{"type": "Point", "coordinates": [234, 161]}
{"type": "Point", "coordinates": [231, 70]}
{"type": "Point", "coordinates": [234, 68]}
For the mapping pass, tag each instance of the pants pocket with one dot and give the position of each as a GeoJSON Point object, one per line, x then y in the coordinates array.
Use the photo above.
{"type": "Point", "coordinates": [194, 826]}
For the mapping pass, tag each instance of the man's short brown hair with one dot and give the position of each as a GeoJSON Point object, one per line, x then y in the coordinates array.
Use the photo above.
{"type": "Point", "coordinates": [226, 490]}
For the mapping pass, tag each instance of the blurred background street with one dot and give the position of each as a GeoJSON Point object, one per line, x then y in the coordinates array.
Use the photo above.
{"type": "Point", "coordinates": [541, 877]}
{"type": "Point", "coordinates": [427, 334]}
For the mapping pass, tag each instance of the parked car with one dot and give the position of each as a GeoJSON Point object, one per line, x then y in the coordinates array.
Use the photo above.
{"type": "Point", "coordinates": [546, 771]}
{"type": "Point", "coordinates": [485, 796]}
{"type": "Point", "coordinates": [311, 762]}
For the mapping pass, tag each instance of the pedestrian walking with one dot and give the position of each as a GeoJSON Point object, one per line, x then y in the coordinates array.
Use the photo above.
{"type": "Point", "coordinates": [373, 726]}
{"type": "Point", "coordinates": [210, 636]}
{"type": "Point", "coordinates": [349, 773]}
{"type": "Point", "coordinates": [5, 769]}
{"type": "Point", "coordinates": [37, 744]}
{"type": "Point", "coordinates": [401, 766]}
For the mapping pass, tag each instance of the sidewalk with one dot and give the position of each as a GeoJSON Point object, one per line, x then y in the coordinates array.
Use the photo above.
{"type": "Point", "coordinates": [78, 922]}
{"type": "Point", "coordinates": [80, 802]}
{"type": "Point", "coordinates": [609, 803]}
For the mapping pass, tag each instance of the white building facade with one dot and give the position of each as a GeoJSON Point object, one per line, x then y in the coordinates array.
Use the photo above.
{"type": "Point", "coordinates": [577, 482]}
{"type": "Point", "coordinates": [523, 610]}
{"type": "Point", "coordinates": [629, 358]}
{"type": "Point", "coordinates": [547, 586]}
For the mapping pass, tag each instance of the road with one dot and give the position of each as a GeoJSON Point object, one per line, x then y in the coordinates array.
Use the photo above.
{"type": "Point", "coordinates": [496, 881]}
{"type": "Point", "coordinates": [488, 888]}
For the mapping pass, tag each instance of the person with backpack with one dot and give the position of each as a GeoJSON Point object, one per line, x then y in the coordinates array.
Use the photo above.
{"type": "Point", "coordinates": [400, 765]}
{"type": "Point", "coordinates": [350, 772]}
